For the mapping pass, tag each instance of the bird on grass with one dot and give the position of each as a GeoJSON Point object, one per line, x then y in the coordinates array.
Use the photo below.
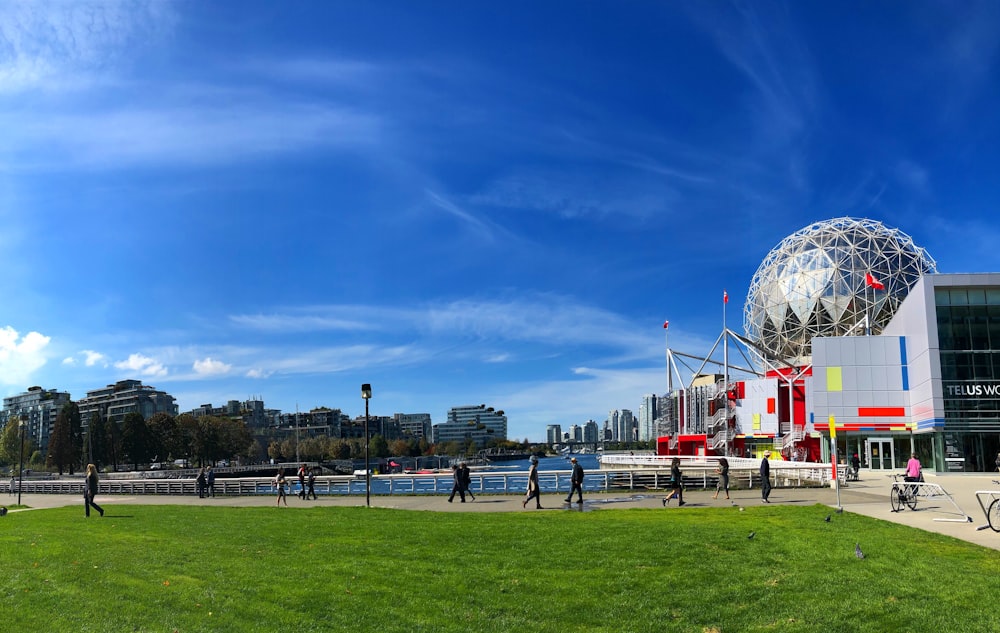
{"type": "Point", "coordinates": [827, 519]}
{"type": "Point", "coordinates": [751, 535]}
{"type": "Point", "coordinates": [840, 510]}
{"type": "Point", "coordinates": [858, 552]}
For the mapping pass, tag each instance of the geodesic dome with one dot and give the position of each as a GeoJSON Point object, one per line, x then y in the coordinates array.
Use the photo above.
{"type": "Point", "coordinates": [814, 284]}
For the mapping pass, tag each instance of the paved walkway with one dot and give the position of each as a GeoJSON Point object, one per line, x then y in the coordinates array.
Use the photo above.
{"type": "Point", "coordinates": [870, 497]}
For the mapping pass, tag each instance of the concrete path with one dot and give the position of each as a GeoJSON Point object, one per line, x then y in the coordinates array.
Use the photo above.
{"type": "Point", "coordinates": [869, 497]}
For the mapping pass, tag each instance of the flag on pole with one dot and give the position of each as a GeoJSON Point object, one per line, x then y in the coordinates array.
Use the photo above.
{"type": "Point", "coordinates": [874, 283]}
{"type": "Point", "coordinates": [665, 324]}
{"type": "Point", "coordinates": [725, 297]}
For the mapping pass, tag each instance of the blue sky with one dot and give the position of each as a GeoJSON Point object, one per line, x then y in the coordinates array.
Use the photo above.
{"type": "Point", "coordinates": [459, 203]}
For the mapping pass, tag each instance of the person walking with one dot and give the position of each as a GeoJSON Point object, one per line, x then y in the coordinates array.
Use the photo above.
{"type": "Point", "coordinates": [676, 483]}
{"type": "Point", "coordinates": [576, 482]}
{"type": "Point", "coordinates": [210, 482]}
{"type": "Point", "coordinates": [90, 490]}
{"type": "Point", "coordinates": [302, 481]}
{"type": "Point", "coordinates": [913, 470]}
{"type": "Point", "coordinates": [466, 479]}
{"type": "Point", "coordinates": [456, 483]}
{"type": "Point", "coordinates": [199, 483]}
{"type": "Point", "coordinates": [311, 481]}
{"type": "Point", "coordinates": [765, 477]}
{"type": "Point", "coordinates": [723, 471]}
{"type": "Point", "coordinates": [13, 480]}
{"type": "Point", "coordinates": [534, 492]}
{"type": "Point", "coordinates": [280, 483]}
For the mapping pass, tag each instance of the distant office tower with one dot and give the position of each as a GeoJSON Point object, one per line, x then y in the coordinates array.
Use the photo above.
{"type": "Point", "coordinates": [478, 423]}
{"type": "Point", "coordinates": [553, 434]}
{"type": "Point", "coordinates": [613, 424]}
{"type": "Point", "coordinates": [38, 409]}
{"type": "Point", "coordinates": [414, 424]}
{"type": "Point", "coordinates": [575, 433]}
{"type": "Point", "coordinates": [590, 432]}
{"type": "Point", "coordinates": [625, 426]}
{"type": "Point", "coordinates": [647, 418]}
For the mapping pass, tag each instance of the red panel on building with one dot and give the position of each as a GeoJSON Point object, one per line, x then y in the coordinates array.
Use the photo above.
{"type": "Point", "coordinates": [881, 412]}
{"type": "Point", "coordinates": [770, 405]}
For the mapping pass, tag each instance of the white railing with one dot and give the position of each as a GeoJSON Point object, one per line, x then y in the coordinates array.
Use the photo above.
{"type": "Point", "coordinates": [637, 472]}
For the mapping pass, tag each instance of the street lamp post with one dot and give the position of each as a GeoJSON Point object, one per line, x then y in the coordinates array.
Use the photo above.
{"type": "Point", "coordinates": [366, 393]}
{"type": "Point", "coordinates": [20, 462]}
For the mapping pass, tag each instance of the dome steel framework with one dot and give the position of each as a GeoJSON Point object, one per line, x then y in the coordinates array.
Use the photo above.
{"type": "Point", "coordinates": [814, 284]}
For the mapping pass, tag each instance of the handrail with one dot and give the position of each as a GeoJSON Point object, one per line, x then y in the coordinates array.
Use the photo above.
{"type": "Point", "coordinates": [653, 475]}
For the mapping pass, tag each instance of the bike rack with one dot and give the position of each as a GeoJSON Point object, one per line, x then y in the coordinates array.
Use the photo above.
{"type": "Point", "coordinates": [929, 491]}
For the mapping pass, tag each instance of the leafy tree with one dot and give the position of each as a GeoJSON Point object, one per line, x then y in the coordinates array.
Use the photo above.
{"type": "Point", "coordinates": [274, 451]}
{"type": "Point", "coordinates": [72, 410]}
{"type": "Point", "coordinates": [165, 436]}
{"type": "Point", "coordinates": [135, 440]}
{"type": "Point", "coordinates": [188, 436]}
{"type": "Point", "coordinates": [62, 452]}
{"type": "Point", "coordinates": [96, 449]}
{"type": "Point", "coordinates": [10, 443]}
{"type": "Point", "coordinates": [378, 447]}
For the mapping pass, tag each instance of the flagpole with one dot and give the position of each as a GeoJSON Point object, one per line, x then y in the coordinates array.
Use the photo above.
{"type": "Point", "coordinates": [725, 365]}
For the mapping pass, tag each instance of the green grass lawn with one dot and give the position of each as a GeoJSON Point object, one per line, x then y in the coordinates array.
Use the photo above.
{"type": "Point", "coordinates": [189, 568]}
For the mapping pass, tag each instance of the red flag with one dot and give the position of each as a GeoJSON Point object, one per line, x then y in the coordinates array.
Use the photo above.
{"type": "Point", "coordinates": [874, 283]}
{"type": "Point", "coordinates": [725, 297]}
{"type": "Point", "coordinates": [665, 324]}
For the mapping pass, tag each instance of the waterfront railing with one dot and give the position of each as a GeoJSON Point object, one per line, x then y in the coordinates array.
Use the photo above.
{"type": "Point", "coordinates": [649, 478]}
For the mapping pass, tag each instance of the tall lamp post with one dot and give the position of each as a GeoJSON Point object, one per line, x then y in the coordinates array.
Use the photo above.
{"type": "Point", "coordinates": [366, 393]}
{"type": "Point", "coordinates": [20, 462]}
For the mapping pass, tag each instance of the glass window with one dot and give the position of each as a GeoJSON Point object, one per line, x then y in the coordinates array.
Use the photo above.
{"type": "Point", "coordinates": [977, 296]}
{"type": "Point", "coordinates": [993, 296]}
{"type": "Point", "coordinates": [958, 296]}
{"type": "Point", "coordinates": [978, 329]}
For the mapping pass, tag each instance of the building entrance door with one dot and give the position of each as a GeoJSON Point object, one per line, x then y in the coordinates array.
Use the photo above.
{"type": "Point", "coordinates": [880, 455]}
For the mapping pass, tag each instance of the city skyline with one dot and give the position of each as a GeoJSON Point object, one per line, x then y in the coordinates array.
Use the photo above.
{"type": "Point", "coordinates": [453, 203]}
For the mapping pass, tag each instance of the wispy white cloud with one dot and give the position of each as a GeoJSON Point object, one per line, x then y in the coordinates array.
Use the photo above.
{"type": "Point", "coordinates": [325, 321]}
{"type": "Point", "coordinates": [483, 228]}
{"type": "Point", "coordinates": [180, 135]}
{"type": "Point", "coordinates": [211, 367]}
{"type": "Point", "coordinates": [142, 365]}
{"type": "Point", "coordinates": [50, 45]}
{"type": "Point", "coordinates": [20, 356]}
{"type": "Point", "coordinates": [571, 196]}
{"type": "Point", "coordinates": [92, 358]}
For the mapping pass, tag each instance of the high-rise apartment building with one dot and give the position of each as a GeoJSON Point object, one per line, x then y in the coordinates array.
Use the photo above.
{"type": "Point", "coordinates": [625, 426]}
{"type": "Point", "coordinates": [124, 397]}
{"type": "Point", "coordinates": [37, 408]}
{"type": "Point", "coordinates": [590, 432]}
{"type": "Point", "coordinates": [553, 434]}
{"type": "Point", "coordinates": [647, 418]}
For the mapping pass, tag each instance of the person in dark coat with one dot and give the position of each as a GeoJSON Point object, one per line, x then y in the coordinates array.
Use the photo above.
{"type": "Point", "coordinates": [676, 485]}
{"type": "Point", "coordinates": [576, 482]}
{"type": "Point", "coordinates": [209, 482]}
{"type": "Point", "coordinates": [311, 482]}
{"type": "Point", "coordinates": [456, 484]}
{"type": "Point", "coordinates": [534, 491]}
{"type": "Point", "coordinates": [90, 490]}
{"type": "Point", "coordinates": [466, 476]}
{"type": "Point", "coordinates": [723, 471]}
{"type": "Point", "coordinates": [199, 483]}
{"type": "Point", "coordinates": [765, 477]}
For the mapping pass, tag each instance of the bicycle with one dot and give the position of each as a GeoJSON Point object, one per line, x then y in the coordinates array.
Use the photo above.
{"type": "Point", "coordinates": [993, 512]}
{"type": "Point", "coordinates": [905, 494]}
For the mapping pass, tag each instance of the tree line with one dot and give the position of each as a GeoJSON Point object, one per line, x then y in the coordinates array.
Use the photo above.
{"type": "Point", "coordinates": [132, 442]}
